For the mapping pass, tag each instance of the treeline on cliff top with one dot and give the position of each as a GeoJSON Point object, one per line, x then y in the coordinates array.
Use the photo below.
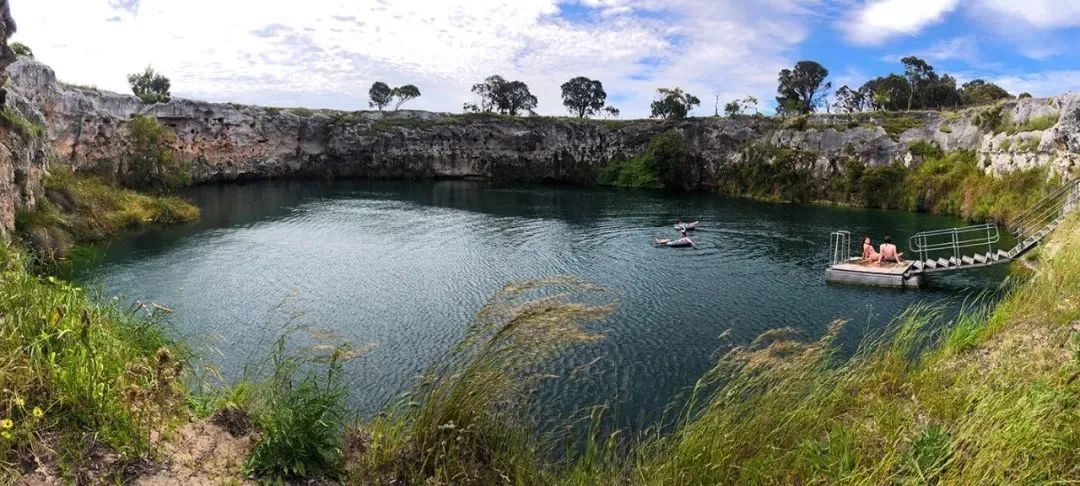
{"type": "Point", "coordinates": [802, 89]}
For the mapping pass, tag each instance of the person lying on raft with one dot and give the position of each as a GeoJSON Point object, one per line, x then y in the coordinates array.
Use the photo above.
{"type": "Point", "coordinates": [682, 239]}
{"type": "Point", "coordinates": [869, 254]}
{"type": "Point", "coordinates": [888, 253]}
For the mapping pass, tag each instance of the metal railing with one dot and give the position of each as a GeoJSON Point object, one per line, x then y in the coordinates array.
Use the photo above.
{"type": "Point", "coordinates": [840, 241]}
{"type": "Point", "coordinates": [955, 239]}
{"type": "Point", "coordinates": [1048, 210]}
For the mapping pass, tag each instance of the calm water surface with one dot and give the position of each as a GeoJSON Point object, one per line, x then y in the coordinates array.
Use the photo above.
{"type": "Point", "coordinates": [403, 266]}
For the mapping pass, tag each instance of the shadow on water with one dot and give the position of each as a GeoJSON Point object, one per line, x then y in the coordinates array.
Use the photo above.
{"type": "Point", "coordinates": [404, 265]}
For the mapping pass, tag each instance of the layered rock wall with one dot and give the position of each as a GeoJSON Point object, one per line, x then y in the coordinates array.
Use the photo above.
{"type": "Point", "coordinates": [87, 128]}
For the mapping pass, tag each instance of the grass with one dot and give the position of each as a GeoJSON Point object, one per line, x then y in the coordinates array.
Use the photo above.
{"type": "Point", "coordinates": [467, 420]}
{"type": "Point", "coordinates": [300, 413]}
{"type": "Point", "coordinates": [79, 207]}
{"type": "Point", "coordinates": [989, 398]}
{"type": "Point", "coordinates": [76, 375]}
{"type": "Point", "coordinates": [11, 118]}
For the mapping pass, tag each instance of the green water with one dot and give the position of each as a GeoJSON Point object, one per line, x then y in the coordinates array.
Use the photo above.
{"type": "Point", "coordinates": [402, 266]}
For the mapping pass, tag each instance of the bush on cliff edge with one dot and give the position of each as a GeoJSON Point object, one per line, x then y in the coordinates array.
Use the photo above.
{"type": "Point", "coordinates": [152, 163]}
{"type": "Point", "coordinates": [662, 164]}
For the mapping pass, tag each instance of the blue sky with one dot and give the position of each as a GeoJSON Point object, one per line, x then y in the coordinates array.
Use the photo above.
{"type": "Point", "coordinates": [326, 53]}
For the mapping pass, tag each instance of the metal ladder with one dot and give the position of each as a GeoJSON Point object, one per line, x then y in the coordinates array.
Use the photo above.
{"type": "Point", "coordinates": [1029, 228]}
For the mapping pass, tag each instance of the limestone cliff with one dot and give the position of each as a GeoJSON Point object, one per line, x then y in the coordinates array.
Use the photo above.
{"type": "Point", "coordinates": [22, 151]}
{"type": "Point", "coordinates": [86, 128]}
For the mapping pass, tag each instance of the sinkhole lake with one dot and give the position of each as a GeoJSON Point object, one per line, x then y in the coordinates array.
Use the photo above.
{"type": "Point", "coordinates": [400, 268]}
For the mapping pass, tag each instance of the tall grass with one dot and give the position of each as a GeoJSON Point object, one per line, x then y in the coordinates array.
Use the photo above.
{"type": "Point", "coordinates": [466, 422]}
{"type": "Point", "coordinates": [992, 399]}
{"type": "Point", "coordinates": [75, 374]}
{"type": "Point", "coordinates": [300, 412]}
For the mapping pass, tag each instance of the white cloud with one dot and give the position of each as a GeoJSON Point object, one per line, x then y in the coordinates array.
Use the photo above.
{"type": "Point", "coordinates": [326, 53]}
{"type": "Point", "coordinates": [1047, 14]}
{"type": "Point", "coordinates": [1046, 83]}
{"type": "Point", "coordinates": [877, 21]}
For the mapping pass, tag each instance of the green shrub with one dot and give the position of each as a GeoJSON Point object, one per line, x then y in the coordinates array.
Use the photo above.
{"type": "Point", "coordinates": [11, 118]}
{"type": "Point", "coordinates": [623, 172]}
{"type": "Point", "coordinates": [895, 125]}
{"type": "Point", "coordinates": [991, 119]}
{"type": "Point", "coordinates": [1033, 124]}
{"type": "Point", "coordinates": [772, 173]}
{"type": "Point", "coordinates": [924, 149]}
{"type": "Point", "coordinates": [152, 163]}
{"type": "Point", "coordinates": [882, 186]}
{"type": "Point", "coordinates": [21, 49]}
{"type": "Point", "coordinates": [662, 164]}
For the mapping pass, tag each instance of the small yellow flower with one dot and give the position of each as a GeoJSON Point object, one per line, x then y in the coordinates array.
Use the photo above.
{"type": "Point", "coordinates": [5, 434]}
{"type": "Point", "coordinates": [19, 401]}
{"type": "Point", "coordinates": [37, 412]}
{"type": "Point", "coordinates": [6, 423]}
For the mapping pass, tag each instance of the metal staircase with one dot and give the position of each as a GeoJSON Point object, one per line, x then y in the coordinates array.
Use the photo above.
{"type": "Point", "coordinates": [962, 248]}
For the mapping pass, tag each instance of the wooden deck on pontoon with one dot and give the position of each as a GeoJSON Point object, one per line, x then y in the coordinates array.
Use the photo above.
{"type": "Point", "coordinates": [889, 275]}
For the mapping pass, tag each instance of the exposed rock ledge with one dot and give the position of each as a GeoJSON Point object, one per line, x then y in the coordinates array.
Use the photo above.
{"type": "Point", "coordinates": [86, 127]}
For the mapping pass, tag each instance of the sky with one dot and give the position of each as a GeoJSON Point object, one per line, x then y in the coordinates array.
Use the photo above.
{"type": "Point", "coordinates": [326, 53]}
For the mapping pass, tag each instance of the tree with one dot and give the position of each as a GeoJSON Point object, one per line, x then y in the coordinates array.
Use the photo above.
{"type": "Point", "coordinates": [508, 97]}
{"type": "Point", "coordinates": [21, 49]}
{"type": "Point", "coordinates": [736, 108]}
{"type": "Point", "coordinates": [583, 96]}
{"type": "Point", "coordinates": [918, 73]}
{"type": "Point", "coordinates": [610, 112]}
{"type": "Point", "coordinates": [849, 100]}
{"type": "Point", "coordinates": [149, 86]}
{"type": "Point", "coordinates": [979, 92]}
{"type": "Point", "coordinates": [673, 104]}
{"type": "Point", "coordinates": [380, 95]}
{"type": "Point", "coordinates": [801, 89]}
{"type": "Point", "coordinates": [404, 94]}
{"type": "Point", "coordinates": [888, 93]}
{"type": "Point", "coordinates": [151, 160]}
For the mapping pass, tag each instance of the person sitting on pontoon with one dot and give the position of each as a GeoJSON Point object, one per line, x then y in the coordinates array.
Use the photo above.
{"type": "Point", "coordinates": [888, 253]}
{"type": "Point", "coordinates": [869, 254]}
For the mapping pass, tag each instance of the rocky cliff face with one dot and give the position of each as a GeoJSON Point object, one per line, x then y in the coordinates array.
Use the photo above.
{"type": "Point", "coordinates": [87, 128]}
{"type": "Point", "coordinates": [22, 151]}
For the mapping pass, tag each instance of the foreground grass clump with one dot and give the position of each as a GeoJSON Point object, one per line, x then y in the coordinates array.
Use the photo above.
{"type": "Point", "coordinates": [80, 207]}
{"type": "Point", "coordinates": [991, 399]}
{"type": "Point", "coordinates": [467, 421]}
{"type": "Point", "coordinates": [76, 376]}
{"type": "Point", "coordinates": [300, 412]}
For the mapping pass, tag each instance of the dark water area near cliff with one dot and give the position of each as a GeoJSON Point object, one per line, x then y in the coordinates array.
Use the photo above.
{"type": "Point", "coordinates": [400, 268]}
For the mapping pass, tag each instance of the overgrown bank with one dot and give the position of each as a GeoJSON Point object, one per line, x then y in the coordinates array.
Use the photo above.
{"type": "Point", "coordinates": [938, 182]}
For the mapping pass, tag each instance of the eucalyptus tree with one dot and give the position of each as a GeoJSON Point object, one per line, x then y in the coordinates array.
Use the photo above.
{"type": "Point", "coordinates": [801, 89]}
{"type": "Point", "coordinates": [673, 104]}
{"type": "Point", "coordinates": [583, 96]}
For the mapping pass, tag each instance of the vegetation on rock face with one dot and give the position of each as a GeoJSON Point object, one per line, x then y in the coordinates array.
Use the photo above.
{"type": "Point", "coordinates": [943, 183]}
{"type": "Point", "coordinates": [21, 49]}
{"type": "Point", "coordinates": [79, 207]}
{"type": "Point", "coordinates": [662, 164]}
{"type": "Point", "coordinates": [11, 118]}
{"type": "Point", "coordinates": [149, 86]}
{"type": "Point", "coordinates": [152, 163]}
